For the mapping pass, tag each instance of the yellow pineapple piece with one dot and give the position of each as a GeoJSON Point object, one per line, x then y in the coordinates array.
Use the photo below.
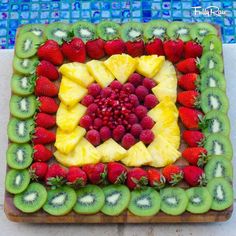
{"type": "Point", "coordinates": [77, 72]}
{"type": "Point", "coordinates": [162, 92]}
{"type": "Point", "coordinates": [121, 66]}
{"type": "Point", "coordinates": [110, 151]}
{"type": "Point", "coordinates": [70, 92]}
{"type": "Point", "coordinates": [101, 74]}
{"type": "Point", "coordinates": [148, 66]}
{"type": "Point", "coordinates": [66, 142]}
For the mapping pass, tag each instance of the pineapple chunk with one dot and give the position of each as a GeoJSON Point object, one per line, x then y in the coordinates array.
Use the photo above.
{"type": "Point", "coordinates": [77, 72]}
{"type": "Point", "coordinates": [162, 92]}
{"type": "Point", "coordinates": [70, 92]}
{"type": "Point", "coordinates": [137, 155]}
{"type": "Point", "coordinates": [68, 118]}
{"type": "Point", "coordinates": [148, 66]}
{"type": "Point", "coordinates": [66, 142]}
{"type": "Point", "coordinates": [111, 151]}
{"type": "Point", "coordinates": [121, 66]}
{"type": "Point", "coordinates": [101, 74]}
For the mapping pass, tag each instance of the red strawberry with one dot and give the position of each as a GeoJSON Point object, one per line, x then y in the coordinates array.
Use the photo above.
{"type": "Point", "coordinates": [193, 138]}
{"type": "Point", "coordinates": [136, 178]}
{"type": "Point", "coordinates": [43, 136]}
{"type": "Point", "coordinates": [95, 48]}
{"type": "Point", "coordinates": [47, 69]}
{"type": "Point", "coordinates": [41, 153]}
{"type": "Point", "coordinates": [116, 46]}
{"type": "Point", "coordinates": [76, 177]}
{"type": "Point", "coordinates": [38, 170]}
{"type": "Point", "coordinates": [174, 50]}
{"type": "Point", "coordinates": [188, 98]}
{"type": "Point", "coordinates": [116, 173]}
{"type": "Point", "coordinates": [135, 49]}
{"type": "Point", "coordinates": [194, 176]}
{"type": "Point", "coordinates": [45, 87]}
{"type": "Point", "coordinates": [173, 174]}
{"type": "Point", "coordinates": [192, 49]}
{"type": "Point", "coordinates": [155, 47]}
{"type": "Point", "coordinates": [50, 51]}
{"type": "Point", "coordinates": [44, 120]}
{"type": "Point", "coordinates": [188, 65]}
{"type": "Point", "coordinates": [74, 50]}
{"type": "Point", "coordinates": [155, 178]}
{"type": "Point", "coordinates": [96, 173]}
{"type": "Point", "coordinates": [188, 81]}
{"type": "Point", "coordinates": [196, 156]}
{"type": "Point", "coordinates": [47, 105]}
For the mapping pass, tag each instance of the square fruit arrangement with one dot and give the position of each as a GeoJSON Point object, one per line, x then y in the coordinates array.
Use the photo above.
{"type": "Point", "coordinates": [108, 118]}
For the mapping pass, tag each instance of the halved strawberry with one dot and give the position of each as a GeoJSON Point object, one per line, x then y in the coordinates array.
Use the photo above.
{"type": "Point", "coordinates": [188, 98]}
{"type": "Point", "coordinates": [189, 81]}
{"type": "Point", "coordinates": [188, 65]}
{"type": "Point", "coordinates": [45, 87]}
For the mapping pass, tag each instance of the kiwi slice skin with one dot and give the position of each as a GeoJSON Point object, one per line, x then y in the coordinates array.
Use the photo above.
{"type": "Point", "coordinates": [200, 30]}
{"type": "Point", "coordinates": [17, 181]}
{"type": "Point", "coordinates": [222, 193]}
{"type": "Point", "coordinates": [19, 156]}
{"type": "Point", "coordinates": [108, 30]}
{"type": "Point", "coordinates": [131, 31]}
{"type": "Point", "coordinates": [179, 29]}
{"type": "Point", "coordinates": [32, 199]}
{"type": "Point", "coordinates": [25, 66]}
{"type": "Point", "coordinates": [36, 29]}
{"type": "Point", "coordinates": [22, 85]}
{"type": "Point", "coordinates": [90, 200]}
{"type": "Point", "coordinates": [60, 201]}
{"type": "Point", "coordinates": [155, 29]}
{"type": "Point", "coordinates": [145, 202]}
{"type": "Point", "coordinates": [211, 61]}
{"type": "Point", "coordinates": [212, 43]}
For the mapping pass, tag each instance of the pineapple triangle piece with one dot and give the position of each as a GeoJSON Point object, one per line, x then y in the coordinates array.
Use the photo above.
{"type": "Point", "coordinates": [162, 92]}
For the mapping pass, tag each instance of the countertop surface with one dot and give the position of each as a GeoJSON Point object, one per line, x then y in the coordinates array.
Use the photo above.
{"type": "Point", "coordinates": [11, 228]}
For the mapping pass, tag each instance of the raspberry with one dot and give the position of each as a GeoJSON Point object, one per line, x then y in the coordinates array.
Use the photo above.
{"type": "Point", "coordinates": [134, 100]}
{"type": "Point", "coordinates": [116, 85]}
{"type": "Point", "coordinates": [118, 132]}
{"type": "Point", "coordinates": [135, 79]}
{"type": "Point", "coordinates": [85, 121]}
{"type": "Point", "coordinates": [147, 122]}
{"type": "Point", "coordinates": [97, 123]}
{"type": "Point", "coordinates": [132, 119]}
{"type": "Point", "coordinates": [141, 92]}
{"type": "Point", "coordinates": [149, 83]}
{"type": "Point", "coordinates": [146, 136]}
{"type": "Point", "coordinates": [94, 89]}
{"type": "Point", "coordinates": [92, 108]}
{"type": "Point", "coordinates": [87, 100]}
{"type": "Point", "coordinates": [128, 141]}
{"type": "Point", "coordinates": [93, 137]}
{"type": "Point", "coordinates": [140, 111]}
{"type": "Point", "coordinates": [106, 92]}
{"type": "Point", "coordinates": [105, 133]}
{"type": "Point", "coordinates": [129, 88]}
{"type": "Point", "coordinates": [136, 129]}
{"type": "Point", "coordinates": [150, 101]}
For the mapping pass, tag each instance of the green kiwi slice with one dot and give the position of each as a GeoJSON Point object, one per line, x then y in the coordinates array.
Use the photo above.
{"type": "Point", "coordinates": [200, 30]}
{"type": "Point", "coordinates": [218, 144]}
{"type": "Point", "coordinates": [145, 202]}
{"type": "Point", "coordinates": [19, 131]}
{"type": "Point", "coordinates": [199, 200]}
{"type": "Point", "coordinates": [90, 200]}
{"type": "Point", "coordinates": [116, 199]}
{"type": "Point", "coordinates": [131, 31]}
{"type": "Point", "coordinates": [155, 29]}
{"type": "Point", "coordinates": [222, 193]}
{"type": "Point", "coordinates": [108, 30]}
{"type": "Point", "coordinates": [212, 43]}
{"type": "Point", "coordinates": [214, 99]}
{"type": "Point", "coordinates": [60, 201]}
{"type": "Point", "coordinates": [17, 181]}
{"type": "Point", "coordinates": [32, 199]}
{"type": "Point", "coordinates": [25, 66]}
{"type": "Point", "coordinates": [22, 85]}
{"type": "Point", "coordinates": [179, 29]}
{"type": "Point", "coordinates": [36, 29]}
{"type": "Point", "coordinates": [19, 156]}
{"type": "Point", "coordinates": [174, 200]}
{"type": "Point", "coordinates": [211, 61]}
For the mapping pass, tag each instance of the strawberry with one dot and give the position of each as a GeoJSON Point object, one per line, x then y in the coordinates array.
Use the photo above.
{"type": "Point", "coordinates": [47, 69]}
{"type": "Point", "coordinates": [193, 138]}
{"type": "Point", "coordinates": [192, 49]}
{"type": "Point", "coordinates": [74, 50]}
{"type": "Point", "coordinates": [155, 178]}
{"type": "Point", "coordinates": [50, 51]}
{"type": "Point", "coordinates": [44, 120]}
{"type": "Point", "coordinates": [95, 48]}
{"type": "Point", "coordinates": [174, 50]}
{"type": "Point", "coordinates": [155, 47]}
{"type": "Point", "coordinates": [47, 105]}
{"type": "Point", "coordinates": [116, 173]}
{"type": "Point", "coordinates": [76, 177]}
{"type": "Point", "coordinates": [188, 81]}
{"type": "Point", "coordinates": [96, 173]}
{"type": "Point", "coordinates": [135, 49]}
{"type": "Point", "coordinates": [137, 178]}
{"type": "Point", "coordinates": [41, 153]}
{"type": "Point", "coordinates": [188, 65]}
{"type": "Point", "coordinates": [43, 136]}
{"type": "Point", "coordinates": [196, 156]}
{"type": "Point", "coordinates": [173, 174]}
{"type": "Point", "coordinates": [116, 46]}
{"type": "Point", "coordinates": [194, 176]}
{"type": "Point", "coordinates": [38, 170]}
{"type": "Point", "coordinates": [45, 87]}
{"type": "Point", "coordinates": [188, 98]}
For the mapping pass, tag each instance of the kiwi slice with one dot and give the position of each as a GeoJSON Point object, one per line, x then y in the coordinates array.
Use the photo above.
{"type": "Point", "coordinates": [32, 199]}
{"type": "Point", "coordinates": [212, 79]}
{"type": "Point", "coordinates": [174, 200]}
{"type": "Point", "coordinates": [214, 99]}
{"type": "Point", "coordinates": [211, 61]}
{"type": "Point", "coordinates": [155, 29]}
{"type": "Point", "coordinates": [60, 201]}
{"type": "Point", "coordinates": [218, 144]}
{"type": "Point", "coordinates": [25, 66]}
{"type": "Point", "coordinates": [179, 29]}
{"type": "Point", "coordinates": [17, 181]}
{"type": "Point", "coordinates": [84, 30]}
{"type": "Point", "coordinates": [131, 31]}
{"type": "Point", "coordinates": [19, 131]}
{"type": "Point", "coordinates": [116, 199]}
{"type": "Point", "coordinates": [22, 85]}
{"type": "Point", "coordinates": [19, 156]}
{"type": "Point", "coordinates": [90, 200]}
{"type": "Point", "coordinates": [36, 29]}
{"type": "Point", "coordinates": [108, 30]}
{"type": "Point", "coordinates": [23, 107]}
{"type": "Point", "coordinates": [222, 193]}
{"type": "Point", "coordinates": [200, 30]}
{"type": "Point", "coordinates": [145, 202]}
{"type": "Point", "coordinates": [199, 200]}
{"type": "Point", "coordinates": [212, 43]}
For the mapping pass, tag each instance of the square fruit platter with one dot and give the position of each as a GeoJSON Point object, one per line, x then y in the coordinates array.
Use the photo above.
{"type": "Point", "coordinates": [118, 124]}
